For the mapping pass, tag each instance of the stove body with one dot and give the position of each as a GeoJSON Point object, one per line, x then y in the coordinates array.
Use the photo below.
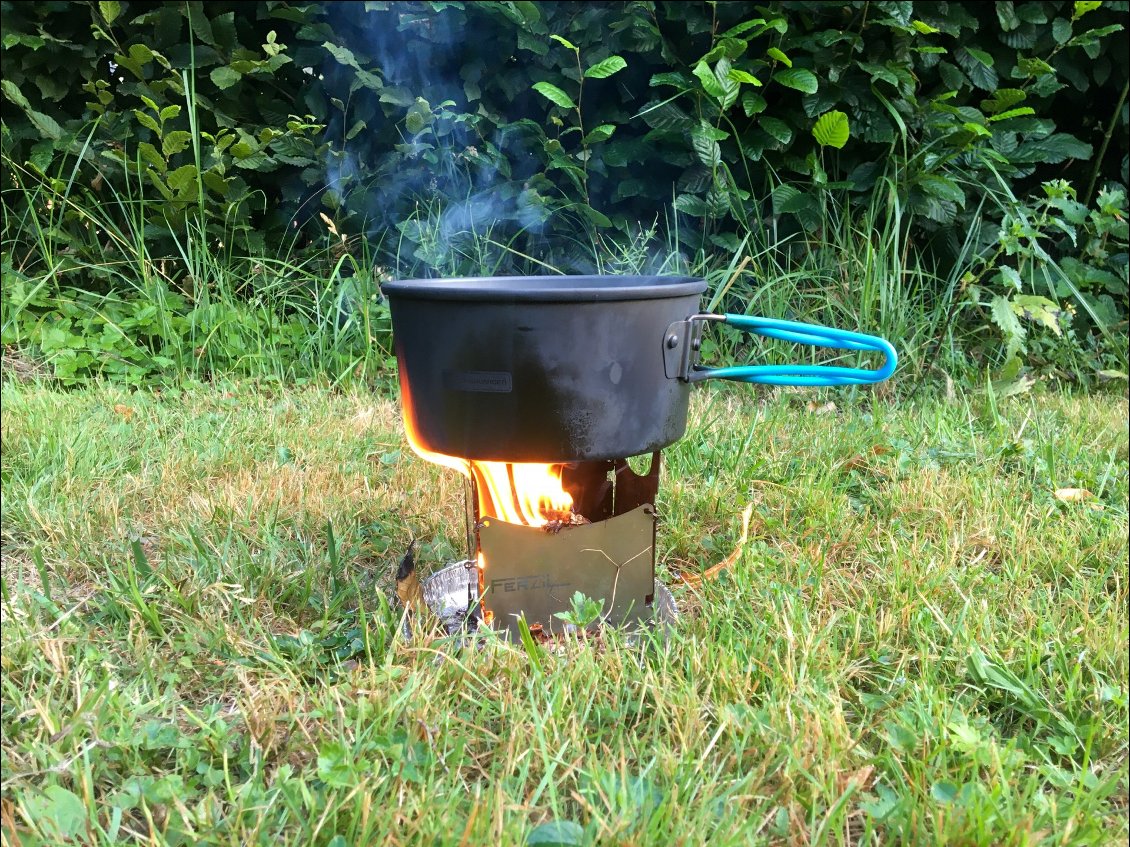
{"type": "Point", "coordinates": [535, 572]}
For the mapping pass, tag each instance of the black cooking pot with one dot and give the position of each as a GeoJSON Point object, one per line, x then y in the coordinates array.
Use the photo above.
{"type": "Point", "coordinates": [540, 369]}
{"type": "Point", "coordinates": [565, 368]}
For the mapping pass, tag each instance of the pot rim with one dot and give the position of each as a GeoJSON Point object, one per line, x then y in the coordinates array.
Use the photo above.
{"type": "Point", "coordinates": [545, 289]}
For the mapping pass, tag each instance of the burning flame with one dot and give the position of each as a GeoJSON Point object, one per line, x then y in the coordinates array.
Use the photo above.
{"type": "Point", "coordinates": [530, 494]}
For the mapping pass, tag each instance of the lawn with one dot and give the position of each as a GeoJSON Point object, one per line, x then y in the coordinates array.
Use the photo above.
{"type": "Point", "coordinates": [923, 640]}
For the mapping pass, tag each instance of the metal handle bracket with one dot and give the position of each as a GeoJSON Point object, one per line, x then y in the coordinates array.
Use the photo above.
{"type": "Point", "coordinates": [681, 343]}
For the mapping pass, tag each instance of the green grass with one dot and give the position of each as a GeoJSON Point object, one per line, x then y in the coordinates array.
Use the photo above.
{"type": "Point", "coordinates": [919, 642]}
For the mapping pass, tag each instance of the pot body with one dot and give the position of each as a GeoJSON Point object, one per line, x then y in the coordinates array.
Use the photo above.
{"type": "Point", "coordinates": [540, 369]}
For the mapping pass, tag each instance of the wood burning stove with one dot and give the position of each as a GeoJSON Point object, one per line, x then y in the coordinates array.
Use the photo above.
{"type": "Point", "coordinates": [538, 390]}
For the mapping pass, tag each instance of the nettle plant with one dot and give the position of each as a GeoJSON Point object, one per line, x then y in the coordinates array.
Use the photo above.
{"type": "Point", "coordinates": [1046, 310]}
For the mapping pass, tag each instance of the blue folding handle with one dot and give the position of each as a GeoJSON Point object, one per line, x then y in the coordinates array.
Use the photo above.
{"type": "Point", "coordinates": [812, 335]}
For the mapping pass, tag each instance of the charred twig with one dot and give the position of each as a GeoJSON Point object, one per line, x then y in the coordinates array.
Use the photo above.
{"type": "Point", "coordinates": [571, 519]}
{"type": "Point", "coordinates": [408, 582]}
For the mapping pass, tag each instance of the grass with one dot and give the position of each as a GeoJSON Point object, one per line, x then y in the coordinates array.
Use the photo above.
{"type": "Point", "coordinates": [919, 642]}
{"type": "Point", "coordinates": [105, 297]}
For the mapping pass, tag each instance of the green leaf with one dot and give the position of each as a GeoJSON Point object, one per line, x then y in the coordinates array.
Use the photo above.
{"type": "Point", "coordinates": [533, 651]}
{"type": "Point", "coordinates": [526, 8]}
{"type": "Point", "coordinates": [1034, 67]}
{"type": "Point", "coordinates": [1082, 7]}
{"type": "Point", "coordinates": [60, 812]}
{"type": "Point", "coordinates": [705, 147]}
{"type": "Point", "coordinates": [598, 218]}
{"type": "Point", "coordinates": [1003, 98]}
{"type": "Point", "coordinates": [42, 154]}
{"type": "Point", "coordinates": [1039, 309]}
{"type": "Point", "coordinates": [554, 94]}
{"type": "Point", "coordinates": [1006, 16]}
{"type": "Point", "coordinates": [343, 54]}
{"type": "Point", "coordinates": [1009, 371]}
{"type": "Point", "coordinates": [691, 205]}
{"type": "Point", "coordinates": [879, 72]}
{"type": "Point", "coordinates": [46, 124]}
{"type": "Point", "coordinates": [534, 43]}
{"type": "Point", "coordinates": [727, 48]}
{"type": "Point", "coordinates": [169, 112]}
{"type": "Point", "coordinates": [924, 28]}
{"type": "Point", "coordinates": [981, 56]}
{"type": "Point", "coordinates": [556, 834]}
{"type": "Point", "coordinates": [225, 77]}
{"type": "Point", "coordinates": [562, 40]}
{"type": "Point", "coordinates": [774, 53]}
{"type": "Point", "coordinates": [798, 203]}
{"type": "Point", "coordinates": [1032, 13]}
{"type": "Point", "coordinates": [110, 10]}
{"type": "Point", "coordinates": [146, 121]}
{"type": "Point", "coordinates": [944, 792]}
{"type": "Point", "coordinates": [149, 153]}
{"type": "Point", "coordinates": [679, 80]}
{"type": "Point", "coordinates": [777, 128]}
{"type": "Point", "coordinates": [941, 187]}
{"type": "Point", "coordinates": [743, 76]}
{"type": "Point", "coordinates": [710, 83]}
{"type": "Point", "coordinates": [1008, 276]}
{"type": "Point", "coordinates": [175, 141]}
{"type": "Point", "coordinates": [241, 150]}
{"type": "Point", "coordinates": [753, 103]}
{"type": "Point", "coordinates": [365, 79]}
{"type": "Point", "coordinates": [601, 133]}
{"type": "Point", "coordinates": [355, 129]}
{"type": "Point", "coordinates": [183, 179]}
{"type": "Point", "coordinates": [788, 199]}
{"type": "Point", "coordinates": [799, 78]}
{"type": "Point", "coordinates": [1000, 311]}
{"type": "Point", "coordinates": [216, 182]}
{"type": "Point", "coordinates": [730, 88]}
{"type": "Point", "coordinates": [744, 26]}
{"type": "Point", "coordinates": [782, 195]}
{"type": "Point", "coordinates": [1013, 113]}
{"type": "Point", "coordinates": [832, 129]}
{"type": "Point", "coordinates": [1090, 39]}
{"type": "Point", "coordinates": [978, 66]}
{"type": "Point", "coordinates": [667, 116]}
{"type": "Point", "coordinates": [606, 67]}
{"type": "Point", "coordinates": [1052, 150]}
{"type": "Point", "coordinates": [1061, 30]}
{"type": "Point", "coordinates": [952, 78]}
{"type": "Point", "coordinates": [11, 39]}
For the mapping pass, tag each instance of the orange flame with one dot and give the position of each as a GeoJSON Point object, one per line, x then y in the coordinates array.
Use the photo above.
{"type": "Point", "coordinates": [530, 494]}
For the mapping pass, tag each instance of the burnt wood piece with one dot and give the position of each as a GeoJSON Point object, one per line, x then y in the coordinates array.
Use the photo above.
{"type": "Point", "coordinates": [589, 486]}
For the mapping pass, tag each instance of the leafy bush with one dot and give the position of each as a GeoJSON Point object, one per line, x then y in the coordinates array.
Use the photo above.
{"type": "Point", "coordinates": [1026, 285]}
{"type": "Point", "coordinates": [450, 137]}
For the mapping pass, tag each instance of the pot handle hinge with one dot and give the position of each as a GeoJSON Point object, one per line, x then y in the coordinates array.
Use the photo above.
{"type": "Point", "coordinates": [681, 343]}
